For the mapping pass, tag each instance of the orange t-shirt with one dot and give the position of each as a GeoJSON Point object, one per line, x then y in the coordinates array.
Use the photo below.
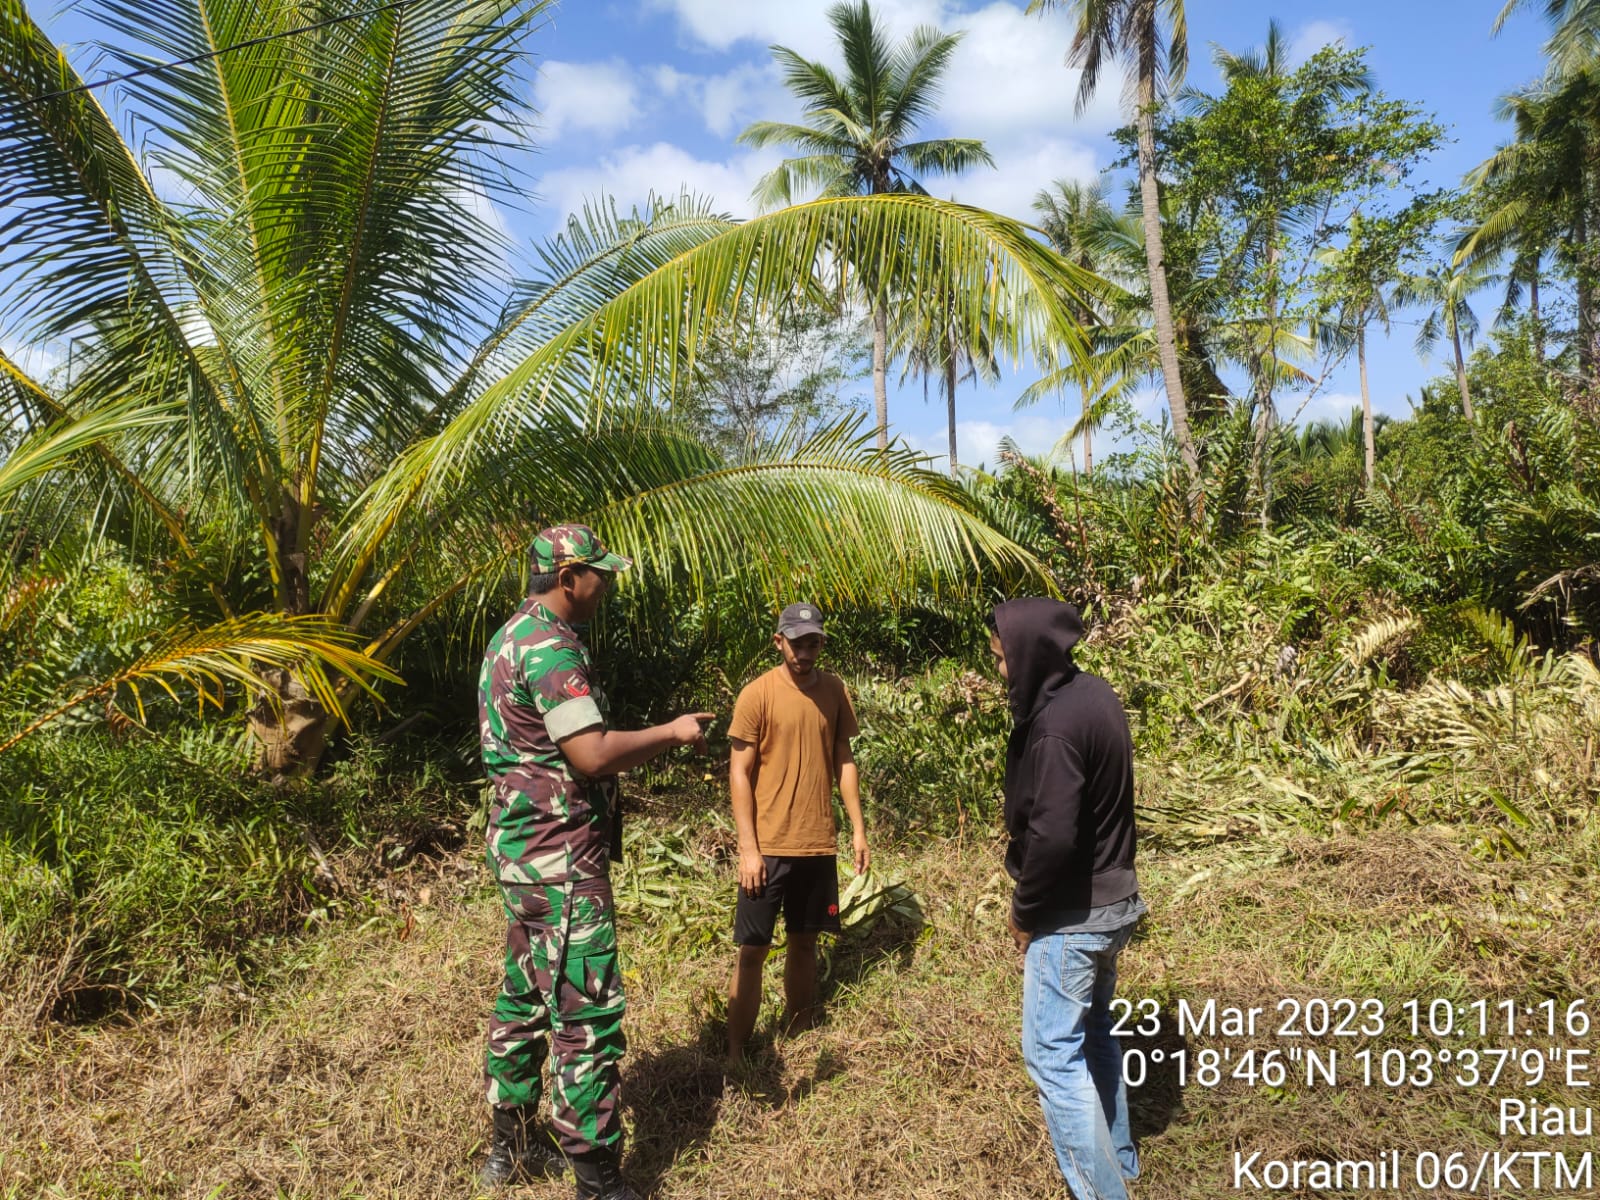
{"type": "Point", "coordinates": [794, 731]}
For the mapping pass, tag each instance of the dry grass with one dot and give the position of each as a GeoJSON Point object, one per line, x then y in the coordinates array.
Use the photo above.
{"type": "Point", "coordinates": [360, 1078]}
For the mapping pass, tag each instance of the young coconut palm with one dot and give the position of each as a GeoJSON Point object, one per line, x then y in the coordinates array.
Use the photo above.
{"type": "Point", "coordinates": [359, 441]}
{"type": "Point", "coordinates": [858, 137]}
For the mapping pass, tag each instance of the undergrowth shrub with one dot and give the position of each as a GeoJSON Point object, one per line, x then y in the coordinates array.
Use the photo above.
{"type": "Point", "coordinates": [131, 871]}
{"type": "Point", "coordinates": [141, 872]}
{"type": "Point", "coordinates": [932, 749]}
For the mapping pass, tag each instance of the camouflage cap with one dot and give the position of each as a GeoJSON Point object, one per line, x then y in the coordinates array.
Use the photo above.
{"type": "Point", "coordinates": [566, 545]}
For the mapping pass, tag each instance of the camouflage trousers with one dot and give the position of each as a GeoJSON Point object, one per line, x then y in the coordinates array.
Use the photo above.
{"type": "Point", "coordinates": [562, 998]}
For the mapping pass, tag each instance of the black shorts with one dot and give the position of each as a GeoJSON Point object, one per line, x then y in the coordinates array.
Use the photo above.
{"type": "Point", "coordinates": [806, 889]}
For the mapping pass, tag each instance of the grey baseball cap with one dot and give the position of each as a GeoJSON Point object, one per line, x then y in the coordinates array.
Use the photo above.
{"type": "Point", "coordinates": [797, 620]}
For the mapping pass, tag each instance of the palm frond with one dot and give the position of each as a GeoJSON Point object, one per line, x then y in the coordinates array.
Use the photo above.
{"type": "Point", "coordinates": [232, 652]}
{"type": "Point", "coordinates": [69, 437]}
{"type": "Point", "coordinates": [865, 47]}
{"type": "Point", "coordinates": [915, 73]}
{"type": "Point", "coordinates": [818, 88]}
{"type": "Point", "coordinates": [1378, 636]}
{"type": "Point", "coordinates": [828, 174]}
{"type": "Point", "coordinates": [946, 156]}
{"type": "Point", "coordinates": [837, 518]}
{"type": "Point", "coordinates": [1013, 293]}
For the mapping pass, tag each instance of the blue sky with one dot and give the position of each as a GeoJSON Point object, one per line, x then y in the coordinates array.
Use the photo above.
{"type": "Point", "coordinates": [650, 95]}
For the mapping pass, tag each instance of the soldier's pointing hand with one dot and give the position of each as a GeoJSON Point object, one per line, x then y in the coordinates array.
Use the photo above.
{"type": "Point", "coordinates": [687, 731]}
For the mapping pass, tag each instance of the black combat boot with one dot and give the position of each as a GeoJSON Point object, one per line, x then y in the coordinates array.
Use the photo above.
{"type": "Point", "coordinates": [600, 1177]}
{"type": "Point", "coordinates": [521, 1149]}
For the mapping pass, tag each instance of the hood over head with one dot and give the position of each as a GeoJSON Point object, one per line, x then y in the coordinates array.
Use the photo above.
{"type": "Point", "coordinates": [1037, 635]}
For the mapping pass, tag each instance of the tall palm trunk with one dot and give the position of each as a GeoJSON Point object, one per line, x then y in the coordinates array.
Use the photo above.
{"type": "Point", "coordinates": [880, 335]}
{"type": "Point", "coordinates": [1156, 264]}
{"type": "Point", "coordinates": [1585, 279]}
{"type": "Point", "coordinates": [1265, 366]}
{"type": "Point", "coordinates": [1368, 438]}
{"type": "Point", "coordinates": [1088, 450]}
{"type": "Point", "coordinates": [1461, 369]}
{"type": "Point", "coordinates": [1533, 311]}
{"type": "Point", "coordinates": [1588, 261]}
{"type": "Point", "coordinates": [950, 396]}
{"type": "Point", "coordinates": [880, 371]}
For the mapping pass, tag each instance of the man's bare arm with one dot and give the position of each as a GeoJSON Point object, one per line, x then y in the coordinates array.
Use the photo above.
{"type": "Point", "coordinates": [597, 752]}
{"type": "Point", "coordinates": [849, 781]}
{"type": "Point", "coordinates": [741, 785]}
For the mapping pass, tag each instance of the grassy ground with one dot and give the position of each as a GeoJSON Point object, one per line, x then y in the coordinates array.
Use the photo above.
{"type": "Point", "coordinates": [358, 1076]}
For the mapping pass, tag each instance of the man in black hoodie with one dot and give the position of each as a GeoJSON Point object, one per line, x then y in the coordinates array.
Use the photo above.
{"type": "Point", "coordinates": [1069, 811]}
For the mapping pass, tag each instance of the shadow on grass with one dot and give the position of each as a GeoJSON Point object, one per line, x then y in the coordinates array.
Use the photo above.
{"type": "Point", "coordinates": [1158, 1100]}
{"type": "Point", "coordinates": [890, 941]}
{"type": "Point", "coordinates": [674, 1095]}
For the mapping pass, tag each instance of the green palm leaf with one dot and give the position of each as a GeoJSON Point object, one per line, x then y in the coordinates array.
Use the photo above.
{"type": "Point", "coordinates": [1011, 291]}
{"type": "Point", "coordinates": [232, 652]}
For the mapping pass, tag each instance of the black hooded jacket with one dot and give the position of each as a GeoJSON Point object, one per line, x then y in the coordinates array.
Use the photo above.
{"type": "Point", "coordinates": [1069, 771]}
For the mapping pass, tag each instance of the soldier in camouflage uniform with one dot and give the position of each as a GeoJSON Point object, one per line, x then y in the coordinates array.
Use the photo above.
{"type": "Point", "coordinates": [553, 763]}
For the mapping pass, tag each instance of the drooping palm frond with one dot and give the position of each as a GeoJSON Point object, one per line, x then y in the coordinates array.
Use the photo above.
{"type": "Point", "coordinates": [831, 516]}
{"type": "Point", "coordinates": [837, 518]}
{"type": "Point", "coordinates": [1377, 636]}
{"type": "Point", "coordinates": [232, 652]}
{"type": "Point", "coordinates": [945, 156]}
{"type": "Point", "coordinates": [48, 449]}
{"type": "Point", "coordinates": [1013, 293]}
{"type": "Point", "coordinates": [599, 253]}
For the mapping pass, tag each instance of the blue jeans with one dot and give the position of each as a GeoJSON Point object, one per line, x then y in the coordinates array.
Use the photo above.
{"type": "Point", "coordinates": [1068, 982]}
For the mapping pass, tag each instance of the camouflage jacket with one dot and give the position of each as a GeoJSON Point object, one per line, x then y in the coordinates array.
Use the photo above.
{"type": "Point", "coordinates": [548, 823]}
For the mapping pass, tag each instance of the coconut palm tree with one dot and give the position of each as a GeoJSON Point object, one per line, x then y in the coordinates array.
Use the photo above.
{"type": "Point", "coordinates": [297, 273]}
{"type": "Point", "coordinates": [1574, 45]}
{"type": "Point", "coordinates": [1152, 37]}
{"type": "Point", "coordinates": [1361, 274]}
{"type": "Point", "coordinates": [1445, 291]}
{"type": "Point", "coordinates": [1080, 223]}
{"type": "Point", "coordinates": [1534, 195]}
{"type": "Point", "coordinates": [936, 347]}
{"type": "Point", "coordinates": [858, 137]}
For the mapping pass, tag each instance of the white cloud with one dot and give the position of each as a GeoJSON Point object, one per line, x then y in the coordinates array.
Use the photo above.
{"type": "Point", "coordinates": [632, 173]}
{"type": "Point", "coordinates": [1020, 171]}
{"type": "Point", "coordinates": [801, 25]}
{"type": "Point", "coordinates": [599, 98]}
{"type": "Point", "coordinates": [729, 101]}
{"type": "Point", "coordinates": [978, 442]}
{"type": "Point", "coordinates": [1314, 35]}
{"type": "Point", "coordinates": [1007, 77]}
{"type": "Point", "coordinates": [1328, 406]}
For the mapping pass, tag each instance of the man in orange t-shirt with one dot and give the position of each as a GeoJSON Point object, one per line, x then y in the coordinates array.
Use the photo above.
{"type": "Point", "coordinates": [791, 734]}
